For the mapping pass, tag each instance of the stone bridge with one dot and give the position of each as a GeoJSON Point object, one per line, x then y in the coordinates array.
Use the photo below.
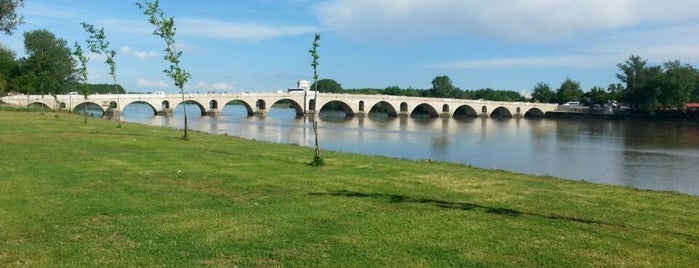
{"type": "Point", "coordinates": [303, 103]}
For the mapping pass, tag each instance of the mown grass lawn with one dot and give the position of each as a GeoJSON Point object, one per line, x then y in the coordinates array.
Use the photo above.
{"type": "Point", "coordinates": [77, 195]}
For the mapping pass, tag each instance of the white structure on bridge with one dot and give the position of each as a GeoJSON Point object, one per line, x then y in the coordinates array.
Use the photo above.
{"type": "Point", "coordinates": [303, 102]}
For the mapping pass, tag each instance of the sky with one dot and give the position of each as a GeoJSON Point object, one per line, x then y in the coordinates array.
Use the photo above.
{"type": "Point", "coordinates": [263, 45]}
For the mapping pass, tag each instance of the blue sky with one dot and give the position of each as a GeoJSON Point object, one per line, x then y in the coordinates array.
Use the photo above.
{"type": "Point", "coordinates": [262, 45]}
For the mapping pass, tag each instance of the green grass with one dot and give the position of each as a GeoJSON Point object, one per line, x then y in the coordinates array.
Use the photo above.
{"type": "Point", "coordinates": [77, 195]}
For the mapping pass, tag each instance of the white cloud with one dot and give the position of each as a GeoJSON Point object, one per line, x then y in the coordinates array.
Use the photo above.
{"type": "Point", "coordinates": [139, 54]}
{"type": "Point", "coordinates": [142, 82]}
{"type": "Point", "coordinates": [534, 20]}
{"type": "Point", "coordinates": [237, 31]}
{"type": "Point", "coordinates": [528, 62]}
{"type": "Point", "coordinates": [215, 86]}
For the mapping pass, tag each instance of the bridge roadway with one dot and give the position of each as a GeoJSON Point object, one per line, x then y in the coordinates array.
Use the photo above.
{"type": "Point", "coordinates": [303, 103]}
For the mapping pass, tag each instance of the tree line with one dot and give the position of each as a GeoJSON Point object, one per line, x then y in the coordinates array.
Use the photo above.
{"type": "Point", "coordinates": [442, 87]}
{"type": "Point", "coordinates": [641, 86]}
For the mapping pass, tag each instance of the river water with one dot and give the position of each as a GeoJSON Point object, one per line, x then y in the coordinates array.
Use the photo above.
{"type": "Point", "coordinates": [641, 154]}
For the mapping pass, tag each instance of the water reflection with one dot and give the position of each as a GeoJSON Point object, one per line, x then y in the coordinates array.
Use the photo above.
{"type": "Point", "coordinates": [649, 155]}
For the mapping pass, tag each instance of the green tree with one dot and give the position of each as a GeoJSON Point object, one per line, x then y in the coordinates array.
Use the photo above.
{"type": "Point", "coordinates": [8, 68]}
{"type": "Point", "coordinates": [442, 87]}
{"type": "Point", "coordinates": [8, 15]}
{"type": "Point", "coordinates": [317, 159]}
{"type": "Point", "coordinates": [165, 29]}
{"type": "Point", "coordinates": [542, 93]}
{"type": "Point", "coordinates": [679, 84]}
{"type": "Point", "coordinates": [643, 83]}
{"type": "Point", "coordinates": [569, 91]}
{"type": "Point", "coordinates": [327, 86]}
{"type": "Point", "coordinates": [615, 91]}
{"type": "Point", "coordinates": [82, 75]}
{"type": "Point", "coordinates": [49, 65]}
{"type": "Point", "coordinates": [97, 42]}
{"type": "Point", "coordinates": [597, 95]}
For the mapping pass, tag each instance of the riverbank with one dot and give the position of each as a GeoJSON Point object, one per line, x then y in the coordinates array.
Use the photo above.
{"type": "Point", "coordinates": [75, 194]}
{"type": "Point", "coordinates": [679, 115]}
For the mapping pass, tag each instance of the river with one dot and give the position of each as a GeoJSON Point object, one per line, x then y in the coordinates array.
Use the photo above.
{"type": "Point", "coordinates": [641, 154]}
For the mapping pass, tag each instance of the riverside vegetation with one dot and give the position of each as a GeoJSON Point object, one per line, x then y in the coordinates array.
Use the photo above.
{"type": "Point", "coordinates": [76, 195]}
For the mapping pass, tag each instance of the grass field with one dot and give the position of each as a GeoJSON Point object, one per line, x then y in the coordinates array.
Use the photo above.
{"type": "Point", "coordinates": [94, 195]}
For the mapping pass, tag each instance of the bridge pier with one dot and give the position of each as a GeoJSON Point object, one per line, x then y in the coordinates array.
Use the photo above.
{"type": "Point", "coordinates": [112, 112]}
{"type": "Point", "coordinates": [360, 114]}
{"type": "Point", "coordinates": [166, 112]}
{"type": "Point", "coordinates": [213, 112]}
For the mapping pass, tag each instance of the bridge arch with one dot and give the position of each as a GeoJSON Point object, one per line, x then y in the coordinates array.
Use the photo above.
{"type": "Point", "coordinates": [79, 107]}
{"type": "Point", "coordinates": [337, 104]}
{"type": "Point", "coordinates": [202, 109]}
{"type": "Point", "coordinates": [534, 112]}
{"type": "Point", "coordinates": [445, 108]}
{"type": "Point", "coordinates": [248, 108]}
{"type": "Point", "coordinates": [404, 107]}
{"type": "Point", "coordinates": [361, 106]}
{"type": "Point", "coordinates": [155, 112]}
{"type": "Point", "coordinates": [383, 107]}
{"type": "Point", "coordinates": [39, 105]}
{"type": "Point", "coordinates": [292, 104]}
{"type": "Point", "coordinates": [424, 108]}
{"type": "Point", "coordinates": [465, 111]}
{"type": "Point", "coordinates": [260, 104]}
{"type": "Point", "coordinates": [501, 112]}
{"type": "Point", "coordinates": [213, 104]}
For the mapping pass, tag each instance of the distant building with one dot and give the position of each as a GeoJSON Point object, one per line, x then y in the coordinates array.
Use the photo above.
{"type": "Point", "coordinates": [301, 87]}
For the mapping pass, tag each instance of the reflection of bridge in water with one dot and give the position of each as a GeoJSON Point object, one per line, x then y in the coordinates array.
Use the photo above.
{"type": "Point", "coordinates": [259, 103]}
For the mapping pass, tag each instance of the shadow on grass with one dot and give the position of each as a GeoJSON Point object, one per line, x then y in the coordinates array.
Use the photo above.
{"type": "Point", "coordinates": [492, 210]}
{"type": "Point", "coordinates": [451, 205]}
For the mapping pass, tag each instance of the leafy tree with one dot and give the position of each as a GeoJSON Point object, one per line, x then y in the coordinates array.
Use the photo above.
{"type": "Point", "coordinates": [8, 68]}
{"type": "Point", "coordinates": [442, 87]}
{"type": "Point", "coordinates": [569, 91]}
{"type": "Point", "coordinates": [615, 91]}
{"type": "Point", "coordinates": [327, 86]}
{"type": "Point", "coordinates": [48, 67]}
{"type": "Point", "coordinates": [317, 159]}
{"type": "Point", "coordinates": [679, 84]}
{"type": "Point", "coordinates": [8, 16]}
{"type": "Point", "coordinates": [542, 93]}
{"type": "Point", "coordinates": [597, 95]}
{"type": "Point", "coordinates": [643, 83]}
{"type": "Point", "coordinates": [82, 74]}
{"type": "Point", "coordinates": [165, 29]}
{"type": "Point", "coordinates": [106, 89]}
{"type": "Point", "coordinates": [97, 42]}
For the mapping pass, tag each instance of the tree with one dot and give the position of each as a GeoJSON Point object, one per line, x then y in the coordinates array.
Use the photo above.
{"type": "Point", "coordinates": [97, 42]}
{"type": "Point", "coordinates": [643, 83]}
{"type": "Point", "coordinates": [165, 29]}
{"type": "Point", "coordinates": [82, 75]}
{"type": "Point", "coordinates": [542, 93]}
{"type": "Point", "coordinates": [569, 91]}
{"type": "Point", "coordinates": [327, 86]}
{"type": "Point", "coordinates": [317, 159]}
{"type": "Point", "coordinates": [8, 16]}
{"type": "Point", "coordinates": [8, 68]}
{"type": "Point", "coordinates": [615, 91]}
{"type": "Point", "coordinates": [49, 65]}
{"type": "Point", "coordinates": [678, 85]}
{"type": "Point", "coordinates": [442, 87]}
{"type": "Point", "coordinates": [597, 95]}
